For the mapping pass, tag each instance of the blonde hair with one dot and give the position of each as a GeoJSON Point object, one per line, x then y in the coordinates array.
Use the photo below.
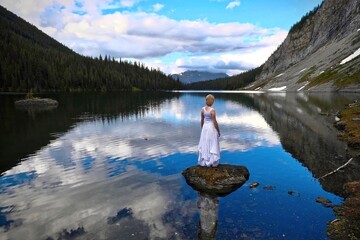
{"type": "Point", "coordinates": [210, 99]}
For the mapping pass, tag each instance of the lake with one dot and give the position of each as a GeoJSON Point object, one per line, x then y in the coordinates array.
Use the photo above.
{"type": "Point", "coordinates": [108, 166]}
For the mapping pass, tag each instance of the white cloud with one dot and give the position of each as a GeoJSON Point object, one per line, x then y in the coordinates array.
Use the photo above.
{"type": "Point", "coordinates": [145, 36]}
{"type": "Point", "coordinates": [157, 7]}
{"type": "Point", "coordinates": [233, 4]}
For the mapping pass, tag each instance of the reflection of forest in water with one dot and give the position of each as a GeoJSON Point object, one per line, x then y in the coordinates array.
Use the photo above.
{"type": "Point", "coordinates": [31, 129]}
{"type": "Point", "coordinates": [304, 123]}
{"type": "Point", "coordinates": [109, 164]}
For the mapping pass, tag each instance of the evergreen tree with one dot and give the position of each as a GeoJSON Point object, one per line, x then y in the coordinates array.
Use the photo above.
{"type": "Point", "coordinates": [29, 59]}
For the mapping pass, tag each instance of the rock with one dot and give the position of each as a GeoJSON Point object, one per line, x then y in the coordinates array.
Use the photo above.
{"type": "Point", "coordinates": [340, 125]}
{"type": "Point", "coordinates": [323, 201]}
{"type": "Point", "coordinates": [354, 104]}
{"type": "Point", "coordinates": [293, 193]}
{"type": "Point", "coordinates": [268, 187]}
{"type": "Point", "coordinates": [219, 181]}
{"type": "Point", "coordinates": [254, 184]}
{"type": "Point", "coordinates": [36, 104]}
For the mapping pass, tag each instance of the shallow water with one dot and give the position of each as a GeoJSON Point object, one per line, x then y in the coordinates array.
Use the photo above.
{"type": "Point", "coordinates": [108, 166]}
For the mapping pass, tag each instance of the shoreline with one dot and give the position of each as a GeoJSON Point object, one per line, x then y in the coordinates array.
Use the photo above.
{"type": "Point", "coordinates": [347, 223]}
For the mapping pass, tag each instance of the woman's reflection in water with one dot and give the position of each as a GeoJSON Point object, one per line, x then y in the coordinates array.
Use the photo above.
{"type": "Point", "coordinates": [208, 206]}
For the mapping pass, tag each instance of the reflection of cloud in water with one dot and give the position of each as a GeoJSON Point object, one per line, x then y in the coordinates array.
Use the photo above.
{"type": "Point", "coordinates": [73, 188]}
{"type": "Point", "coordinates": [91, 205]}
{"type": "Point", "coordinates": [135, 140]}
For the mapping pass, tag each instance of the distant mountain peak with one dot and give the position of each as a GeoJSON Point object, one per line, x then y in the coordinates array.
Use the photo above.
{"type": "Point", "coordinates": [191, 76]}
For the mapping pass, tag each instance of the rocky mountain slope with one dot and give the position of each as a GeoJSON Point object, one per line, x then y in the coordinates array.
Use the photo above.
{"type": "Point", "coordinates": [197, 76]}
{"type": "Point", "coordinates": [320, 52]}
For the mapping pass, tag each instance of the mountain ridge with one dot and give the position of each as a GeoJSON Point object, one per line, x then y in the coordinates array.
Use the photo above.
{"type": "Point", "coordinates": [192, 76]}
{"type": "Point", "coordinates": [311, 55]}
{"type": "Point", "coordinates": [320, 53]}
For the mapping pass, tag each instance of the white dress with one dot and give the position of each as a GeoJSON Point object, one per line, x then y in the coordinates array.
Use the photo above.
{"type": "Point", "coordinates": [209, 147]}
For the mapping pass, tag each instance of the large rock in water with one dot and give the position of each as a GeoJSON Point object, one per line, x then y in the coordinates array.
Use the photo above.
{"type": "Point", "coordinates": [37, 104]}
{"type": "Point", "coordinates": [220, 181]}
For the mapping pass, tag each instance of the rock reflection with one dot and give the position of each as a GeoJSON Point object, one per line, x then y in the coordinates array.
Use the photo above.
{"type": "Point", "coordinates": [208, 208]}
{"type": "Point", "coordinates": [211, 183]}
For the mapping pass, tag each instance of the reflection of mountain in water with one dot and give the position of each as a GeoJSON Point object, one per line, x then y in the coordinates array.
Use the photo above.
{"type": "Point", "coordinates": [305, 127]}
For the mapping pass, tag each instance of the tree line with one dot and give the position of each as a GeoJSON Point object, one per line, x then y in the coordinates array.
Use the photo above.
{"type": "Point", "coordinates": [30, 59]}
{"type": "Point", "coordinates": [229, 83]}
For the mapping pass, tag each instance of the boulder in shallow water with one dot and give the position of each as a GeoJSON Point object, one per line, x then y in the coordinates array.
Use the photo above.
{"type": "Point", "coordinates": [220, 181]}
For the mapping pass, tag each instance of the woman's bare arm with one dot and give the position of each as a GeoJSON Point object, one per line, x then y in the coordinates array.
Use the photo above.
{"type": "Point", "coordinates": [213, 116]}
{"type": "Point", "coordinates": [202, 117]}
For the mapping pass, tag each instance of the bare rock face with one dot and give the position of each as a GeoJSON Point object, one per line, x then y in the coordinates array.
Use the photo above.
{"type": "Point", "coordinates": [316, 44]}
{"type": "Point", "coordinates": [219, 181]}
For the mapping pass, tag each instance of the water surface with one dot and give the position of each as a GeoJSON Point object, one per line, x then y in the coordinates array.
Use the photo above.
{"type": "Point", "coordinates": [108, 166]}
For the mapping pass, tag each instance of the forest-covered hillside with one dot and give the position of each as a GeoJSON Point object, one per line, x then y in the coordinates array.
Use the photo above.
{"type": "Point", "coordinates": [30, 59]}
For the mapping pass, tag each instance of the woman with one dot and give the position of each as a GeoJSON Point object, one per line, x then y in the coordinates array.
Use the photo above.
{"type": "Point", "coordinates": [209, 148]}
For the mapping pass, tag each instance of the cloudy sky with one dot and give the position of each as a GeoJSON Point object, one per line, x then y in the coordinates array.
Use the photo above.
{"type": "Point", "coordinates": [174, 35]}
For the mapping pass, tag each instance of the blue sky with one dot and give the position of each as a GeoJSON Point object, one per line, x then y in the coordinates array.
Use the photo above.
{"type": "Point", "coordinates": [176, 35]}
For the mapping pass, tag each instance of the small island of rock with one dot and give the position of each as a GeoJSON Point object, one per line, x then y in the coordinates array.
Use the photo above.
{"type": "Point", "coordinates": [36, 103]}
{"type": "Point", "coordinates": [219, 181]}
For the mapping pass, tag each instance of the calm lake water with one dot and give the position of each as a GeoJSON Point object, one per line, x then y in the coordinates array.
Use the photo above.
{"type": "Point", "coordinates": [108, 166]}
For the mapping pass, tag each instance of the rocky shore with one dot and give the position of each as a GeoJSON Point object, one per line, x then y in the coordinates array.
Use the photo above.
{"type": "Point", "coordinates": [347, 224]}
{"type": "Point", "coordinates": [349, 125]}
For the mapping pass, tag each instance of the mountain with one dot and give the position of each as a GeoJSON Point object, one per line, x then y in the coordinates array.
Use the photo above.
{"type": "Point", "coordinates": [319, 53]}
{"type": "Point", "coordinates": [197, 76]}
{"type": "Point", "coordinates": [30, 59]}
{"type": "Point", "coordinates": [228, 83]}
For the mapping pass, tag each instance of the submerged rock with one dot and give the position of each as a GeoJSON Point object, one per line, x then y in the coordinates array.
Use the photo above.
{"type": "Point", "coordinates": [293, 193]}
{"type": "Point", "coordinates": [254, 184]}
{"type": "Point", "coordinates": [323, 201]}
{"type": "Point", "coordinates": [268, 187]}
{"type": "Point", "coordinates": [220, 181]}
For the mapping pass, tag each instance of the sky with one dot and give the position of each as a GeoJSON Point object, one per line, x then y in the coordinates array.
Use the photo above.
{"type": "Point", "coordinates": [228, 36]}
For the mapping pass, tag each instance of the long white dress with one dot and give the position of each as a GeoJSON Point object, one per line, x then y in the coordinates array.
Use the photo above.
{"type": "Point", "coordinates": [209, 147]}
